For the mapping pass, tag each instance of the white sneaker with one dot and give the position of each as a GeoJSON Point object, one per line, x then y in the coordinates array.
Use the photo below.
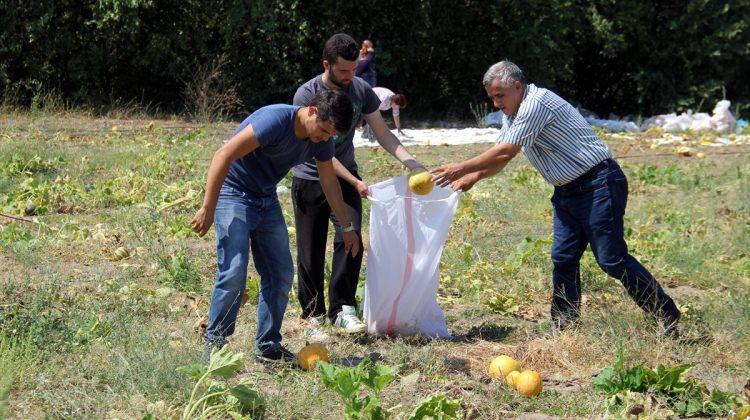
{"type": "Point", "coordinates": [314, 332]}
{"type": "Point", "coordinates": [348, 321]}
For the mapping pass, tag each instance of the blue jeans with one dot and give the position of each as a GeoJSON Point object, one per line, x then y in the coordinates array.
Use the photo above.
{"type": "Point", "coordinates": [245, 223]}
{"type": "Point", "coordinates": [590, 210]}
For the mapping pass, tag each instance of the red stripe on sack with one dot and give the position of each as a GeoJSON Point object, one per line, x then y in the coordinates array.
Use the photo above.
{"type": "Point", "coordinates": [391, 328]}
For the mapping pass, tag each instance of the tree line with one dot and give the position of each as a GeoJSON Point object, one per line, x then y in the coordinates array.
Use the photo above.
{"type": "Point", "coordinates": [628, 57]}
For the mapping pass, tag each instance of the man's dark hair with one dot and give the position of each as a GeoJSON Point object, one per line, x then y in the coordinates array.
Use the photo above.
{"type": "Point", "coordinates": [336, 108]}
{"type": "Point", "coordinates": [340, 45]}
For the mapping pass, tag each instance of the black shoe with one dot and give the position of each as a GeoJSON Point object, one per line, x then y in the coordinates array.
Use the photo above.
{"type": "Point", "coordinates": [209, 347]}
{"type": "Point", "coordinates": [277, 355]}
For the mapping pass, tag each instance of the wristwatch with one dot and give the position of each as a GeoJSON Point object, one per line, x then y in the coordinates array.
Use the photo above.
{"type": "Point", "coordinates": [349, 228]}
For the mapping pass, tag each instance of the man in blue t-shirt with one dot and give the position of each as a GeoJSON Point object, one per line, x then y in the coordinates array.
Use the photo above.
{"type": "Point", "coordinates": [312, 212]}
{"type": "Point", "coordinates": [241, 201]}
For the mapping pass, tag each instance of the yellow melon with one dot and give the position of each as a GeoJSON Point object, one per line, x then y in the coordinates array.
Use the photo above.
{"type": "Point", "coordinates": [501, 366]}
{"type": "Point", "coordinates": [512, 378]}
{"type": "Point", "coordinates": [420, 181]}
{"type": "Point", "coordinates": [684, 151]}
{"type": "Point", "coordinates": [529, 383]}
{"type": "Point", "coordinates": [309, 355]}
{"type": "Point", "coordinates": [121, 253]}
{"type": "Point", "coordinates": [742, 413]}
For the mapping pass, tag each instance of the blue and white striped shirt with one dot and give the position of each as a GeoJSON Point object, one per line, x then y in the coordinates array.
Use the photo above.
{"type": "Point", "coordinates": [556, 139]}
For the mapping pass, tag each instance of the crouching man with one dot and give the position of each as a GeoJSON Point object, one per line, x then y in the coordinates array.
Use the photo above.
{"type": "Point", "coordinates": [241, 201]}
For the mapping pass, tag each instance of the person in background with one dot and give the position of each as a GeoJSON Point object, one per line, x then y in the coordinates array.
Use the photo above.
{"type": "Point", "coordinates": [392, 101]}
{"type": "Point", "coordinates": [366, 64]}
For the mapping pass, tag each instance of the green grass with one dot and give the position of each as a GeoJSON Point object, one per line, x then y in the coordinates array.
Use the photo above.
{"type": "Point", "coordinates": [19, 359]}
{"type": "Point", "coordinates": [87, 334]}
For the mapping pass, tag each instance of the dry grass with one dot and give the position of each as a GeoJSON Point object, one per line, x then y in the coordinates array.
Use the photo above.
{"type": "Point", "coordinates": [106, 346]}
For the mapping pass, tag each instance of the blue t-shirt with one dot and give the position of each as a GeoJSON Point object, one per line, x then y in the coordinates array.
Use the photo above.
{"type": "Point", "coordinates": [258, 172]}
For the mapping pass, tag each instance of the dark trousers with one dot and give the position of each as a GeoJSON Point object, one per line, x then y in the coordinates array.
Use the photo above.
{"type": "Point", "coordinates": [311, 215]}
{"type": "Point", "coordinates": [590, 210]}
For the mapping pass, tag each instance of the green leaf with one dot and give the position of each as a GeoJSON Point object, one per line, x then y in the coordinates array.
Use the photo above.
{"type": "Point", "coordinates": [353, 408]}
{"type": "Point", "coordinates": [347, 383]}
{"type": "Point", "coordinates": [369, 408]}
{"type": "Point", "coordinates": [224, 363]}
{"type": "Point", "coordinates": [720, 403]}
{"type": "Point", "coordinates": [605, 381]}
{"type": "Point", "coordinates": [379, 413]}
{"type": "Point", "coordinates": [650, 378]}
{"type": "Point", "coordinates": [250, 400]}
{"type": "Point", "coordinates": [501, 303]}
{"type": "Point", "coordinates": [328, 373]}
{"type": "Point", "coordinates": [218, 388]}
{"type": "Point", "coordinates": [437, 407]}
{"type": "Point", "coordinates": [680, 408]}
{"type": "Point", "coordinates": [378, 377]}
{"type": "Point", "coordinates": [636, 378]}
{"type": "Point", "coordinates": [670, 379]}
{"type": "Point", "coordinates": [196, 370]}
{"type": "Point", "coordinates": [694, 407]}
{"type": "Point", "coordinates": [237, 416]}
{"type": "Point", "coordinates": [619, 359]}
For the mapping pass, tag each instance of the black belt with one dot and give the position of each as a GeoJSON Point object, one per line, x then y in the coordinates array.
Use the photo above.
{"type": "Point", "coordinates": [587, 175]}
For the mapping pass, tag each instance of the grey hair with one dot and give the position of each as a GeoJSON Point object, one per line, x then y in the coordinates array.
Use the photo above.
{"type": "Point", "coordinates": [506, 72]}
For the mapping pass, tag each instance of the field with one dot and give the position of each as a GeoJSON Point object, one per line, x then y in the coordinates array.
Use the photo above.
{"type": "Point", "coordinates": [103, 287]}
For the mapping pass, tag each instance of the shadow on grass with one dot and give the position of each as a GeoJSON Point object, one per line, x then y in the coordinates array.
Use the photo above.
{"type": "Point", "coordinates": [350, 361]}
{"type": "Point", "coordinates": [486, 332]}
{"type": "Point", "coordinates": [701, 340]}
{"type": "Point", "coordinates": [409, 340]}
{"type": "Point", "coordinates": [458, 365]}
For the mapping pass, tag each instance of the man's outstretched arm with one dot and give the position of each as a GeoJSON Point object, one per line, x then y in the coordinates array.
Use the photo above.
{"type": "Point", "coordinates": [484, 165]}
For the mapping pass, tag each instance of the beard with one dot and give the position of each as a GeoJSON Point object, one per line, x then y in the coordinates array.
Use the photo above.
{"type": "Point", "coordinates": [336, 81]}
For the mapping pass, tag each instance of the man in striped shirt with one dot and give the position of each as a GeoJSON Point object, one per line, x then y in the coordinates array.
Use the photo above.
{"type": "Point", "coordinates": [590, 192]}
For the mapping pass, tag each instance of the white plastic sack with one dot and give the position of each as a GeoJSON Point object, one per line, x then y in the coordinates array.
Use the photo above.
{"type": "Point", "coordinates": [614, 126]}
{"type": "Point", "coordinates": [407, 234]}
{"type": "Point", "coordinates": [494, 118]}
{"type": "Point", "coordinates": [678, 123]}
{"type": "Point", "coordinates": [701, 122]}
{"type": "Point", "coordinates": [723, 120]}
